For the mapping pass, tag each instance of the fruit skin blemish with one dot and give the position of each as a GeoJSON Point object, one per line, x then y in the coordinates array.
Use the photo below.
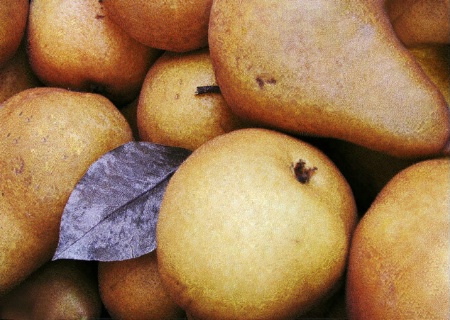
{"type": "Point", "coordinates": [302, 173]}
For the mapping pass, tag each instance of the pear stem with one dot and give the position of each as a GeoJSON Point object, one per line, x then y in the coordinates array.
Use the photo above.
{"type": "Point", "coordinates": [207, 89]}
{"type": "Point", "coordinates": [302, 173]}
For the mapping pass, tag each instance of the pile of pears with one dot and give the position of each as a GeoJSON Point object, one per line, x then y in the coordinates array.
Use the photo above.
{"type": "Point", "coordinates": [319, 180]}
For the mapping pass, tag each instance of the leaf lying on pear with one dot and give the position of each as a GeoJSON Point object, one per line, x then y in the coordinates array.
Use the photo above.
{"type": "Point", "coordinates": [112, 212]}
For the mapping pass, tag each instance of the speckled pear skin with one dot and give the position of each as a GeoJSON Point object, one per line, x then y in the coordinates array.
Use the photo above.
{"type": "Point", "coordinates": [332, 69]}
{"type": "Point", "coordinates": [49, 138]}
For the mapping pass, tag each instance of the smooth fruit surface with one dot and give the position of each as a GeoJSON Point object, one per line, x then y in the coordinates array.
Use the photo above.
{"type": "Point", "coordinates": [73, 44]}
{"type": "Point", "coordinates": [240, 237]}
{"type": "Point", "coordinates": [173, 25]}
{"type": "Point", "coordinates": [171, 112]}
{"type": "Point", "coordinates": [132, 289]}
{"type": "Point", "coordinates": [310, 68]}
{"type": "Point", "coordinates": [400, 254]}
{"type": "Point", "coordinates": [435, 62]}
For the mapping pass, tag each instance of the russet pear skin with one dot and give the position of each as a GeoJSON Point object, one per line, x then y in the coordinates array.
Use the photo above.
{"type": "Point", "coordinates": [74, 45]}
{"type": "Point", "coordinates": [49, 138]}
{"type": "Point", "coordinates": [170, 112]}
{"type": "Point", "coordinates": [132, 289]}
{"type": "Point", "coordinates": [435, 62]}
{"type": "Point", "coordinates": [174, 25]}
{"type": "Point", "coordinates": [399, 258]}
{"type": "Point", "coordinates": [254, 225]}
{"type": "Point", "coordinates": [327, 68]}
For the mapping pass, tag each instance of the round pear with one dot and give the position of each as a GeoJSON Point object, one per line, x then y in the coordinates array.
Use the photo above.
{"type": "Point", "coordinates": [62, 289]}
{"type": "Point", "coordinates": [132, 289]}
{"type": "Point", "coordinates": [420, 22]}
{"type": "Point", "coordinates": [73, 44]}
{"type": "Point", "coordinates": [180, 103]}
{"type": "Point", "coordinates": [174, 25]}
{"type": "Point", "coordinates": [255, 224]}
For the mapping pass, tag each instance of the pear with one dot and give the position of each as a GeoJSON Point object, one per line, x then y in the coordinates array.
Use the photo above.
{"type": "Point", "coordinates": [73, 44]}
{"type": "Point", "coordinates": [399, 258]}
{"type": "Point", "coordinates": [62, 289]}
{"type": "Point", "coordinates": [170, 109]}
{"type": "Point", "coordinates": [132, 289]}
{"type": "Point", "coordinates": [368, 171]}
{"type": "Point", "coordinates": [13, 21]}
{"type": "Point", "coordinates": [174, 25]}
{"type": "Point", "coordinates": [49, 138]}
{"type": "Point", "coordinates": [327, 68]}
{"type": "Point", "coordinates": [420, 22]}
{"type": "Point", "coordinates": [255, 224]}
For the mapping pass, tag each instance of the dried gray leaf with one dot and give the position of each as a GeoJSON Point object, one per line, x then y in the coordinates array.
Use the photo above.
{"type": "Point", "coordinates": [112, 212]}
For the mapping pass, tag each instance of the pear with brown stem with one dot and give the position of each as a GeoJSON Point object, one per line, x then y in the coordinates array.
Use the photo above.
{"type": "Point", "coordinates": [327, 68]}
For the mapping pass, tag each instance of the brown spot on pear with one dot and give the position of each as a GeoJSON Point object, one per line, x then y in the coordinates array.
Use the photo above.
{"type": "Point", "coordinates": [239, 236]}
{"type": "Point", "coordinates": [340, 71]}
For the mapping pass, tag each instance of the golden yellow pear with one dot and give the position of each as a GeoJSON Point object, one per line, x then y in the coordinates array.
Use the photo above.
{"type": "Point", "coordinates": [49, 138]}
{"type": "Point", "coordinates": [255, 224]}
{"type": "Point", "coordinates": [420, 22]}
{"type": "Point", "coordinates": [17, 75]}
{"type": "Point", "coordinates": [132, 289]}
{"type": "Point", "coordinates": [170, 109]}
{"type": "Point", "coordinates": [73, 44]}
{"type": "Point", "coordinates": [327, 68]}
{"type": "Point", "coordinates": [13, 20]}
{"type": "Point", "coordinates": [174, 25]}
{"type": "Point", "coordinates": [62, 289]}
{"type": "Point", "coordinates": [399, 258]}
